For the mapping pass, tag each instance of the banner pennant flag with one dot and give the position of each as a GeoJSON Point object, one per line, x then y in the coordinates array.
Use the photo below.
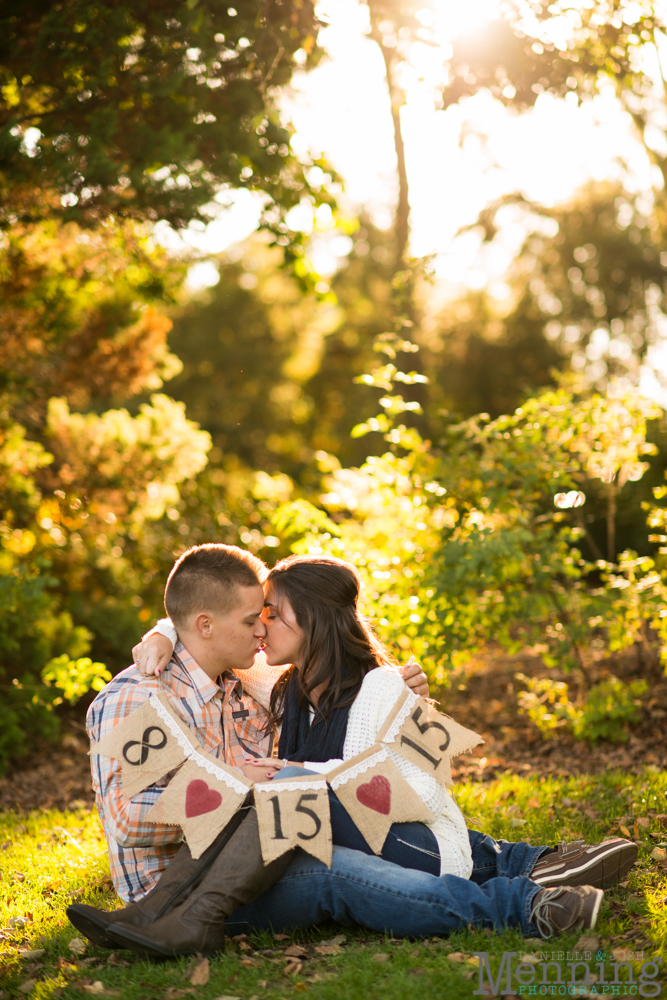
{"type": "Point", "coordinates": [201, 799]}
{"type": "Point", "coordinates": [417, 731]}
{"type": "Point", "coordinates": [375, 794]}
{"type": "Point", "coordinates": [294, 812]}
{"type": "Point", "coordinates": [149, 743]}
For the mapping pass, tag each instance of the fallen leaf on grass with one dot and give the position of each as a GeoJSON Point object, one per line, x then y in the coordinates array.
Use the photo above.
{"type": "Point", "coordinates": [534, 803]}
{"type": "Point", "coordinates": [296, 951]}
{"type": "Point", "coordinates": [659, 853]}
{"type": "Point", "coordinates": [300, 988]}
{"type": "Point", "coordinates": [329, 949]}
{"type": "Point", "coordinates": [32, 953]}
{"type": "Point", "coordinates": [339, 939]}
{"type": "Point", "coordinates": [281, 937]}
{"type": "Point", "coordinates": [380, 956]}
{"type": "Point", "coordinates": [201, 972]}
{"type": "Point", "coordinates": [588, 942]}
{"type": "Point", "coordinates": [458, 956]}
{"type": "Point", "coordinates": [624, 830]}
{"type": "Point", "coordinates": [27, 986]}
{"type": "Point", "coordinates": [291, 967]}
{"type": "Point", "coordinates": [77, 946]}
{"type": "Point", "coordinates": [232, 998]}
{"type": "Point", "coordinates": [248, 963]}
{"type": "Point", "coordinates": [174, 994]}
{"type": "Point", "coordinates": [115, 959]}
{"type": "Point", "coordinates": [644, 822]}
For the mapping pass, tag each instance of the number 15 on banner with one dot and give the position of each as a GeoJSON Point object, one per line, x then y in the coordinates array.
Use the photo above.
{"type": "Point", "coordinates": [294, 813]}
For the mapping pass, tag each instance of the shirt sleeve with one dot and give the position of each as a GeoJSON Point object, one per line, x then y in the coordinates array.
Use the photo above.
{"type": "Point", "coordinates": [123, 818]}
{"type": "Point", "coordinates": [164, 627]}
{"type": "Point", "coordinates": [322, 766]}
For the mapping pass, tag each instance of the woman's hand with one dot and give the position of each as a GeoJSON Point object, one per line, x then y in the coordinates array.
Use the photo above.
{"type": "Point", "coordinates": [265, 768]}
{"type": "Point", "coordinates": [264, 772]}
{"type": "Point", "coordinates": [414, 677]}
{"type": "Point", "coordinates": [152, 655]}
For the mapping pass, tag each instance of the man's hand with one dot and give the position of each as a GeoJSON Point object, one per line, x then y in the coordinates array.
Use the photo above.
{"type": "Point", "coordinates": [153, 654]}
{"type": "Point", "coordinates": [415, 678]}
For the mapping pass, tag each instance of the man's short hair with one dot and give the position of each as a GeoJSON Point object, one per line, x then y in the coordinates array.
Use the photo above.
{"type": "Point", "coordinates": [206, 578]}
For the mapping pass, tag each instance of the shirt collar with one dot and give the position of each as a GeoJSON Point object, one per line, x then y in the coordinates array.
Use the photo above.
{"type": "Point", "coordinates": [227, 685]}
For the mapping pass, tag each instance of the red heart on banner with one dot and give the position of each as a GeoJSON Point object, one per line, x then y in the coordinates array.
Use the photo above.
{"type": "Point", "coordinates": [200, 799]}
{"type": "Point", "coordinates": [376, 794]}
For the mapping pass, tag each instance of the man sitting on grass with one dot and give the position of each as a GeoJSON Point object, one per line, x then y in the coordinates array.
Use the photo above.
{"type": "Point", "coordinates": [220, 638]}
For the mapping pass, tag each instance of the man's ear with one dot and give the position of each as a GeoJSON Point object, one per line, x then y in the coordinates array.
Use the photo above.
{"type": "Point", "coordinates": [203, 623]}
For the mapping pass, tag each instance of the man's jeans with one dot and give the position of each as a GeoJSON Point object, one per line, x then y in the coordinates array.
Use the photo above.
{"type": "Point", "coordinates": [359, 889]}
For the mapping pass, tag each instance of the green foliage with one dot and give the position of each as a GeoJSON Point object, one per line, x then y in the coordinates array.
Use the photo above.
{"type": "Point", "coordinates": [75, 677]}
{"type": "Point", "coordinates": [609, 708]}
{"type": "Point", "coordinates": [146, 110]}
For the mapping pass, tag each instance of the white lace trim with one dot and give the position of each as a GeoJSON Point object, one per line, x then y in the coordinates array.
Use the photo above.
{"type": "Point", "coordinates": [403, 713]}
{"type": "Point", "coordinates": [353, 772]}
{"type": "Point", "coordinates": [206, 763]}
{"type": "Point", "coordinates": [217, 772]}
{"type": "Point", "coordinates": [285, 786]}
{"type": "Point", "coordinates": [173, 727]}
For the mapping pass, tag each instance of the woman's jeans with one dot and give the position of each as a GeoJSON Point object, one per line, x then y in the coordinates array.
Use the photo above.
{"type": "Point", "coordinates": [385, 897]}
{"type": "Point", "coordinates": [410, 845]}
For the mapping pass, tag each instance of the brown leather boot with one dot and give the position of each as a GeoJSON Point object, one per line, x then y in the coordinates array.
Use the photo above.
{"type": "Point", "coordinates": [237, 876]}
{"type": "Point", "coordinates": [181, 876]}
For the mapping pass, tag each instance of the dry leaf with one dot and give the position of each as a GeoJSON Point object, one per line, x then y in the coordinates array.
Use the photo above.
{"type": "Point", "coordinates": [248, 963]}
{"type": "Point", "coordinates": [244, 946]}
{"type": "Point", "coordinates": [329, 949]}
{"type": "Point", "coordinates": [534, 803]}
{"type": "Point", "coordinates": [291, 967]}
{"type": "Point", "coordinates": [32, 953]}
{"type": "Point", "coordinates": [659, 853]}
{"type": "Point", "coordinates": [300, 988]}
{"type": "Point", "coordinates": [644, 822]}
{"type": "Point", "coordinates": [27, 986]}
{"type": "Point", "coordinates": [380, 956]}
{"type": "Point", "coordinates": [588, 942]}
{"type": "Point", "coordinates": [457, 956]}
{"type": "Point", "coordinates": [95, 988]}
{"type": "Point", "coordinates": [77, 946]}
{"type": "Point", "coordinates": [533, 959]}
{"type": "Point", "coordinates": [281, 937]}
{"type": "Point", "coordinates": [235, 998]}
{"type": "Point", "coordinates": [201, 972]}
{"type": "Point", "coordinates": [296, 951]}
{"type": "Point", "coordinates": [624, 830]}
{"type": "Point", "coordinates": [339, 939]}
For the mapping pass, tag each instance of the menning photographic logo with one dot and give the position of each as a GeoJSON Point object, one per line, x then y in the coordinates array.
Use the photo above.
{"type": "Point", "coordinates": [546, 977]}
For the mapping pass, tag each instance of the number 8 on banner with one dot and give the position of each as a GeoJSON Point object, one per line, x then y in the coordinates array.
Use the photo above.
{"type": "Point", "coordinates": [294, 812]}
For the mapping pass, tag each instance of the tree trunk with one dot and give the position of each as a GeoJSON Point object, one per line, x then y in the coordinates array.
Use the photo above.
{"type": "Point", "coordinates": [402, 219]}
{"type": "Point", "coordinates": [611, 522]}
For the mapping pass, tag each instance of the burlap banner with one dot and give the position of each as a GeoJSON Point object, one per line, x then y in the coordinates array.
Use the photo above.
{"type": "Point", "coordinates": [201, 799]}
{"type": "Point", "coordinates": [294, 813]}
{"type": "Point", "coordinates": [149, 743]}
{"type": "Point", "coordinates": [415, 729]}
{"type": "Point", "coordinates": [376, 794]}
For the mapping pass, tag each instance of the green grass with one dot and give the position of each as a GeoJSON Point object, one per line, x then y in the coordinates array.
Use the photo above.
{"type": "Point", "coordinates": [54, 855]}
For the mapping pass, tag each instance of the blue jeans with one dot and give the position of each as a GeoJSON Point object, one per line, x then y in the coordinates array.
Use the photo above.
{"type": "Point", "coordinates": [367, 890]}
{"type": "Point", "coordinates": [410, 845]}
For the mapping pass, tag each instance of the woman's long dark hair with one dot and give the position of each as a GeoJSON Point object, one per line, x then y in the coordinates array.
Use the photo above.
{"type": "Point", "coordinates": [340, 646]}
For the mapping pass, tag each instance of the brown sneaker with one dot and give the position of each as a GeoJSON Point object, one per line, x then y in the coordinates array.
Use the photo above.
{"type": "Point", "coordinates": [555, 911]}
{"type": "Point", "coordinates": [601, 865]}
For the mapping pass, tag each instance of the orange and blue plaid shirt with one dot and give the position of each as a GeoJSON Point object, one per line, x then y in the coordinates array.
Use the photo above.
{"type": "Point", "coordinates": [227, 723]}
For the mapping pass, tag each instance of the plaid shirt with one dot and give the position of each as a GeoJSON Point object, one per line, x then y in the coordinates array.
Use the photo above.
{"type": "Point", "coordinates": [227, 723]}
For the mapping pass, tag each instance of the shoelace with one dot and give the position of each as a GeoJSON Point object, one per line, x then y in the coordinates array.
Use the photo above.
{"type": "Point", "coordinates": [542, 910]}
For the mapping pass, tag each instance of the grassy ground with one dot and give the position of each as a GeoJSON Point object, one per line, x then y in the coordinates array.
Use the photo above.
{"type": "Point", "coordinates": [49, 858]}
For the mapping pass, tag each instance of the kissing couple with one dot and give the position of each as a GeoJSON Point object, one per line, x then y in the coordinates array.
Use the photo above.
{"type": "Point", "coordinates": [252, 659]}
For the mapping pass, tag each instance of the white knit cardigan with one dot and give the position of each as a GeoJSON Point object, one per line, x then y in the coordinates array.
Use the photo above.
{"type": "Point", "coordinates": [378, 694]}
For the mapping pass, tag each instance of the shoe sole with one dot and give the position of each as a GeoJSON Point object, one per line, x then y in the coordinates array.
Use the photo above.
{"type": "Point", "coordinates": [130, 940]}
{"type": "Point", "coordinates": [96, 931]}
{"type": "Point", "coordinates": [600, 872]}
{"type": "Point", "coordinates": [596, 910]}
